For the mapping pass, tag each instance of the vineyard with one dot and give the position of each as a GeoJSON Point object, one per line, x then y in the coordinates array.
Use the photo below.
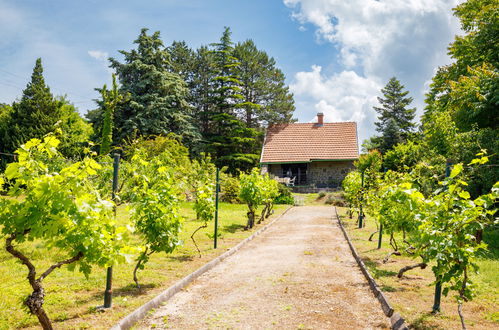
{"type": "Point", "coordinates": [430, 219]}
{"type": "Point", "coordinates": [149, 216]}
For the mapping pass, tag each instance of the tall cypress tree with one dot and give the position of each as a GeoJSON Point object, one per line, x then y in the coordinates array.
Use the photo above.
{"type": "Point", "coordinates": [35, 115]}
{"type": "Point", "coordinates": [157, 102]}
{"type": "Point", "coordinates": [110, 100]}
{"type": "Point", "coordinates": [394, 114]}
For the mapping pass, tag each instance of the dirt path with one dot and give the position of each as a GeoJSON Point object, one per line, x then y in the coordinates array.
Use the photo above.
{"type": "Point", "coordinates": [299, 274]}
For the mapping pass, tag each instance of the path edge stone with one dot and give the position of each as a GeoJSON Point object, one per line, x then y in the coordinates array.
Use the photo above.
{"type": "Point", "coordinates": [397, 322]}
{"type": "Point", "coordinates": [128, 321]}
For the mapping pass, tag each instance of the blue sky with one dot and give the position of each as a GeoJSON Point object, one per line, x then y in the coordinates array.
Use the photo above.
{"type": "Point", "coordinates": [336, 54]}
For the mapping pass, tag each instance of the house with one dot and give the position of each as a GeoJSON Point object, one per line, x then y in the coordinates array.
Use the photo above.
{"type": "Point", "coordinates": [314, 154]}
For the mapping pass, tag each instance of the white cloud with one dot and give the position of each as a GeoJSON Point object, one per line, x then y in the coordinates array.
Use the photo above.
{"type": "Point", "coordinates": [377, 39]}
{"type": "Point", "coordinates": [345, 96]}
{"type": "Point", "coordinates": [98, 55]}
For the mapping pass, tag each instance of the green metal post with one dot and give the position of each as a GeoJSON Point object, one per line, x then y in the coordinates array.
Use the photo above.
{"type": "Point", "coordinates": [380, 237]}
{"type": "Point", "coordinates": [361, 214]}
{"type": "Point", "coordinates": [217, 190]}
{"type": "Point", "coordinates": [108, 294]}
{"type": "Point", "coordinates": [438, 285]}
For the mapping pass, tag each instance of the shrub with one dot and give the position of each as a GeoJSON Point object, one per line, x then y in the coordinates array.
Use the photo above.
{"type": "Point", "coordinates": [229, 189]}
{"type": "Point", "coordinates": [321, 194]}
{"type": "Point", "coordinates": [285, 196]}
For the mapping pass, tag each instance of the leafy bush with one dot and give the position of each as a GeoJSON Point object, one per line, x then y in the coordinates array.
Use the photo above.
{"type": "Point", "coordinates": [335, 201]}
{"type": "Point", "coordinates": [59, 207]}
{"type": "Point", "coordinates": [269, 190]}
{"type": "Point", "coordinates": [229, 189]}
{"type": "Point", "coordinates": [155, 206]}
{"type": "Point", "coordinates": [402, 157]}
{"type": "Point", "coordinates": [285, 196]}
{"type": "Point", "coordinates": [321, 194]}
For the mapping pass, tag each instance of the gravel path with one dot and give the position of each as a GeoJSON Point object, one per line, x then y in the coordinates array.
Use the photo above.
{"type": "Point", "coordinates": [299, 274]}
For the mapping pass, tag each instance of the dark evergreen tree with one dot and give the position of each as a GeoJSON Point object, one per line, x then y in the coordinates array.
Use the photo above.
{"type": "Point", "coordinates": [266, 98]}
{"type": "Point", "coordinates": [226, 84]}
{"type": "Point", "coordinates": [233, 144]}
{"type": "Point", "coordinates": [110, 100]}
{"type": "Point", "coordinates": [35, 115]}
{"type": "Point", "coordinates": [394, 113]}
{"type": "Point", "coordinates": [157, 102]}
{"type": "Point", "coordinates": [391, 135]}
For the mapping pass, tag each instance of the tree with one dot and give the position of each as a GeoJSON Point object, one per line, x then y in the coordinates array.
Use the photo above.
{"type": "Point", "coordinates": [5, 114]}
{"type": "Point", "coordinates": [233, 144]}
{"type": "Point", "coordinates": [55, 203]}
{"type": "Point", "coordinates": [461, 114]}
{"type": "Point", "coordinates": [202, 182]}
{"type": "Point", "coordinates": [110, 100]}
{"type": "Point", "coordinates": [250, 193]}
{"type": "Point", "coordinates": [158, 97]}
{"type": "Point", "coordinates": [391, 136]}
{"type": "Point", "coordinates": [395, 120]}
{"type": "Point", "coordinates": [266, 98]}
{"type": "Point", "coordinates": [35, 115]}
{"type": "Point", "coordinates": [154, 198]}
{"type": "Point", "coordinates": [75, 132]}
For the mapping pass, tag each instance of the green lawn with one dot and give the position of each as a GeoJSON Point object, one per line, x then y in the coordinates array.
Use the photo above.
{"type": "Point", "coordinates": [71, 299]}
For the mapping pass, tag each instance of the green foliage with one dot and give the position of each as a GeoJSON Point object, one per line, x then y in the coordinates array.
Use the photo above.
{"type": "Point", "coordinates": [395, 121]}
{"type": "Point", "coordinates": [55, 203]}
{"type": "Point", "coordinates": [352, 186]}
{"type": "Point", "coordinates": [462, 104]}
{"type": "Point", "coordinates": [110, 100]}
{"type": "Point", "coordinates": [203, 185]}
{"type": "Point", "coordinates": [266, 98]}
{"type": "Point", "coordinates": [269, 191]}
{"type": "Point", "coordinates": [229, 188]}
{"type": "Point", "coordinates": [154, 200]}
{"type": "Point", "coordinates": [157, 102]}
{"type": "Point", "coordinates": [75, 132]}
{"type": "Point", "coordinates": [285, 195]}
{"type": "Point", "coordinates": [369, 162]}
{"type": "Point", "coordinates": [440, 227]}
{"type": "Point", "coordinates": [402, 157]}
{"type": "Point", "coordinates": [250, 193]}
{"type": "Point", "coordinates": [35, 115]}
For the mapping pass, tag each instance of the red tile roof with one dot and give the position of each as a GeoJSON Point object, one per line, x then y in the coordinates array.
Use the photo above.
{"type": "Point", "coordinates": [305, 142]}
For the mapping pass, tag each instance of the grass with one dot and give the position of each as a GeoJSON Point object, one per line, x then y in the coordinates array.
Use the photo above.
{"type": "Point", "coordinates": [412, 295]}
{"type": "Point", "coordinates": [71, 299]}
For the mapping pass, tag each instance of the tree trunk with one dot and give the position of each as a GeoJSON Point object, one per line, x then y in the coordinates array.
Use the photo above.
{"type": "Point", "coordinates": [371, 237]}
{"type": "Point", "coordinates": [396, 253]}
{"type": "Point", "coordinates": [264, 211]}
{"type": "Point", "coordinates": [34, 302]}
{"type": "Point", "coordinates": [407, 268]}
{"type": "Point", "coordinates": [137, 266]}
{"type": "Point", "coordinates": [270, 210]}
{"type": "Point", "coordinates": [192, 237]}
{"type": "Point", "coordinates": [251, 219]}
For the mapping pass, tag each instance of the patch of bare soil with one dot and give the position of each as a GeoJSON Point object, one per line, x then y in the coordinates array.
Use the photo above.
{"type": "Point", "coordinates": [299, 274]}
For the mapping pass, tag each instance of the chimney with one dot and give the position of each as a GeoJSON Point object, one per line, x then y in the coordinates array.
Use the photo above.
{"type": "Point", "coordinates": [320, 119]}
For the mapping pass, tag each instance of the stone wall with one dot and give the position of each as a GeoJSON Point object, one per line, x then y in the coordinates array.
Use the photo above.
{"type": "Point", "coordinates": [328, 174]}
{"type": "Point", "coordinates": [319, 174]}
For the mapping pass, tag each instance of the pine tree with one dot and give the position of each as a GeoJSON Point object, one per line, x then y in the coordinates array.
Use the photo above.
{"type": "Point", "coordinates": [391, 135]}
{"type": "Point", "coordinates": [226, 85]}
{"type": "Point", "coordinates": [35, 115]}
{"type": "Point", "coordinates": [266, 98]}
{"type": "Point", "coordinates": [393, 113]}
{"type": "Point", "coordinates": [158, 97]}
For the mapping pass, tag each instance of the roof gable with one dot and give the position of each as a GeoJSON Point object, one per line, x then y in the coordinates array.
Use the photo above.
{"type": "Point", "coordinates": [305, 142]}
